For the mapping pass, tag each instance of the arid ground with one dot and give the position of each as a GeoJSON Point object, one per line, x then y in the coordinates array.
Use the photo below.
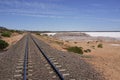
{"type": "Point", "coordinates": [105, 60]}
{"type": "Point", "coordinates": [13, 39]}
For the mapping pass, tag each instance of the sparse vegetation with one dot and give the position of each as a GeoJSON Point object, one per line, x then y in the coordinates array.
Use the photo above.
{"type": "Point", "coordinates": [75, 49]}
{"type": "Point", "coordinates": [6, 34]}
{"type": "Point", "coordinates": [58, 42]}
{"type": "Point", "coordinates": [12, 31]}
{"type": "Point", "coordinates": [3, 44]}
{"type": "Point", "coordinates": [37, 33]}
{"type": "Point", "coordinates": [88, 42]}
{"type": "Point", "coordinates": [20, 32]}
{"type": "Point", "coordinates": [16, 31]}
{"type": "Point", "coordinates": [86, 56]}
{"type": "Point", "coordinates": [97, 41]}
{"type": "Point", "coordinates": [100, 46]}
{"type": "Point", "coordinates": [67, 41]}
{"type": "Point", "coordinates": [93, 47]}
{"type": "Point", "coordinates": [75, 42]}
{"type": "Point", "coordinates": [87, 50]}
{"type": "Point", "coordinates": [3, 29]}
{"type": "Point", "coordinates": [45, 35]}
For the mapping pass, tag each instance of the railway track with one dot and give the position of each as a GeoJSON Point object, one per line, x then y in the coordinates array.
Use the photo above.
{"type": "Point", "coordinates": [50, 62]}
{"type": "Point", "coordinates": [32, 59]}
{"type": "Point", "coordinates": [23, 67]}
{"type": "Point", "coordinates": [25, 61]}
{"type": "Point", "coordinates": [61, 73]}
{"type": "Point", "coordinates": [24, 64]}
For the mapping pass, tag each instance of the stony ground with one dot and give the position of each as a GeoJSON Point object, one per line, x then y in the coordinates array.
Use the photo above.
{"type": "Point", "coordinates": [9, 58]}
{"type": "Point", "coordinates": [75, 67]}
{"type": "Point", "coordinates": [107, 60]}
{"type": "Point", "coordinates": [104, 60]}
{"type": "Point", "coordinates": [100, 64]}
{"type": "Point", "coordinates": [74, 63]}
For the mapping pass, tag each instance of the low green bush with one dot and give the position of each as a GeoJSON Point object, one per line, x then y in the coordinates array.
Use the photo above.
{"type": "Point", "coordinates": [37, 33]}
{"type": "Point", "coordinates": [93, 47]}
{"type": "Point", "coordinates": [75, 49]}
{"type": "Point", "coordinates": [12, 31]}
{"type": "Point", "coordinates": [3, 44]}
{"type": "Point", "coordinates": [75, 42]}
{"type": "Point", "coordinates": [100, 46]}
{"type": "Point", "coordinates": [87, 50]}
{"type": "Point", "coordinates": [6, 34]}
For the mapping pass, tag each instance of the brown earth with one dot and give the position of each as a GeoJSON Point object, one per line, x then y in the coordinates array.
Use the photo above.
{"type": "Point", "coordinates": [105, 60]}
{"type": "Point", "coordinates": [13, 39]}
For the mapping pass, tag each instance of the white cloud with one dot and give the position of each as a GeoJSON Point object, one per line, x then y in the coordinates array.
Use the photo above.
{"type": "Point", "coordinates": [34, 8]}
{"type": "Point", "coordinates": [39, 15]}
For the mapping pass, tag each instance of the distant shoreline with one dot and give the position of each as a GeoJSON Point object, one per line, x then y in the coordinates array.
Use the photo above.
{"type": "Point", "coordinates": [84, 31]}
{"type": "Point", "coordinates": [68, 31]}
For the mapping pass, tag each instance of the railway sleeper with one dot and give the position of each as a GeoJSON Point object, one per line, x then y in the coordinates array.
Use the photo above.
{"type": "Point", "coordinates": [19, 72]}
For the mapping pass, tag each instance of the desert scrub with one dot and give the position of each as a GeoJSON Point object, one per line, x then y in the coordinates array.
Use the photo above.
{"type": "Point", "coordinates": [100, 46]}
{"type": "Point", "coordinates": [88, 42]}
{"type": "Point", "coordinates": [75, 49]}
{"type": "Point", "coordinates": [20, 32]}
{"type": "Point", "coordinates": [44, 35]}
{"type": "Point", "coordinates": [12, 31]}
{"type": "Point", "coordinates": [75, 42]}
{"type": "Point", "coordinates": [3, 44]}
{"type": "Point", "coordinates": [37, 33]}
{"type": "Point", "coordinates": [6, 34]}
{"type": "Point", "coordinates": [97, 41]}
{"type": "Point", "coordinates": [86, 56]}
{"type": "Point", "coordinates": [87, 50]}
{"type": "Point", "coordinates": [67, 41]}
{"type": "Point", "coordinates": [93, 47]}
{"type": "Point", "coordinates": [60, 43]}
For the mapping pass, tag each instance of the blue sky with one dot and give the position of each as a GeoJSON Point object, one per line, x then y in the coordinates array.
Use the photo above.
{"type": "Point", "coordinates": [60, 15]}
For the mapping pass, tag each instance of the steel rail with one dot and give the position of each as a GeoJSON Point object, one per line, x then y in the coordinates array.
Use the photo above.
{"type": "Point", "coordinates": [25, 61]}
{"type": "Point", "coordinates": [48, 60]}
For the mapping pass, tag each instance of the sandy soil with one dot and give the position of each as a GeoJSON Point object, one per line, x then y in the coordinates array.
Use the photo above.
{"type": "Point", "coordinates": [53, 42]}
{"type": "Point", "coordinates": [13, 39]}
{"type": "Point", "coordinates": [105, 60]}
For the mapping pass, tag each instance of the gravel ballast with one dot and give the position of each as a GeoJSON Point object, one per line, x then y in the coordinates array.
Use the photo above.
{"type": "Point", "coordinates": [76, 66]}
